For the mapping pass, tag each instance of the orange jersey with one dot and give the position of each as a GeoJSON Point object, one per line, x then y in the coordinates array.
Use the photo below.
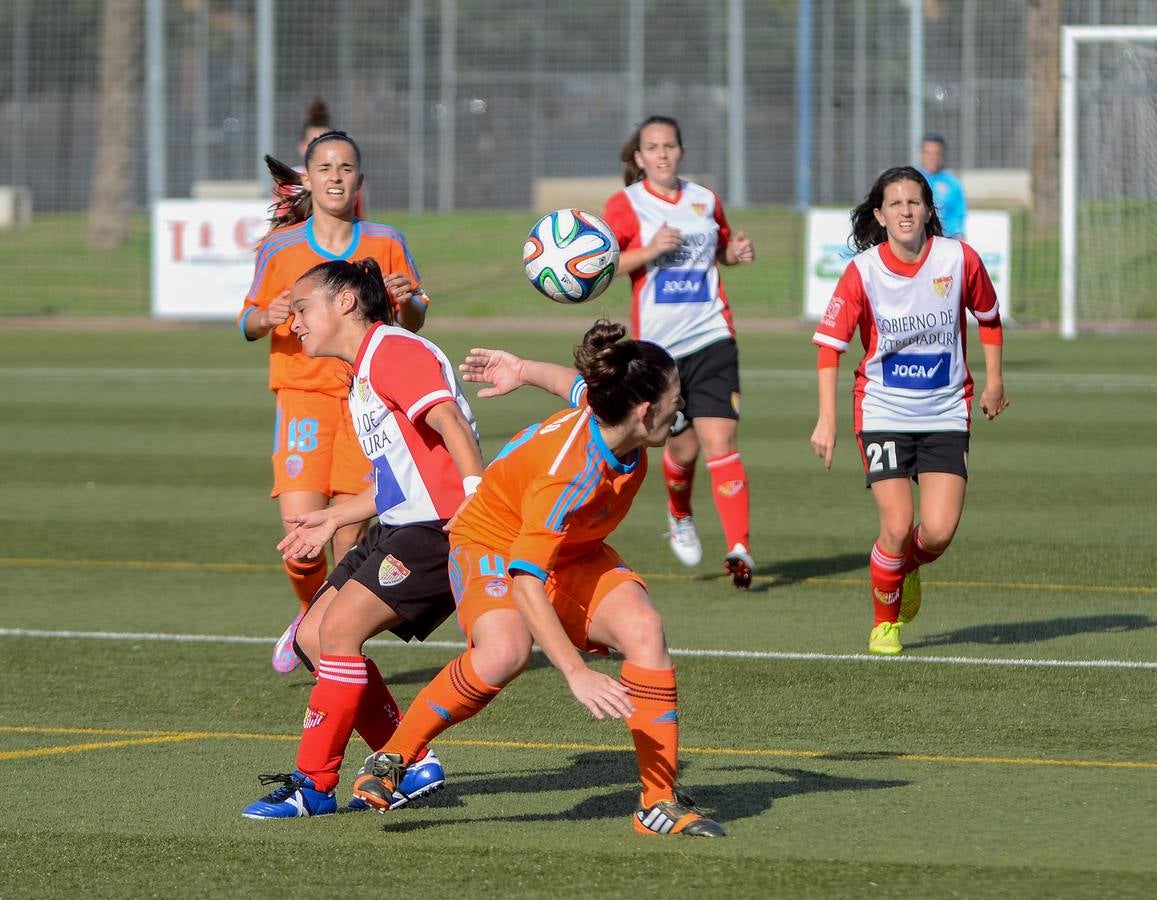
{"type": "Point", "coordinates": [284, 256]}
{"type": "Point", "coordinates": [553, 494]}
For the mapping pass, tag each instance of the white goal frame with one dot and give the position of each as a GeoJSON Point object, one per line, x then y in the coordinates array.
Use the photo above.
{"type": "Point", "coordinates": [1071, 36]}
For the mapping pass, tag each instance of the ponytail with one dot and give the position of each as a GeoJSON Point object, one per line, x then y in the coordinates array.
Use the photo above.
{"type": "Point", "coordinates": [620, 374]}
{"type": "Point", "coordinates": [364, 278]}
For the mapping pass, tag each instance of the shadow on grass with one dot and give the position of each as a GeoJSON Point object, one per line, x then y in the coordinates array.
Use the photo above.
{"type": "Point", "coordinates": [793, 571]}
{"type": "Point", "coordinates": [604, 773]}
{"type": "Point", "coordinates": [1033, 632]}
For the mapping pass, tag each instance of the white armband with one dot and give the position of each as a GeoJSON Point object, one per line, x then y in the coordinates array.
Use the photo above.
{"type": "Point", "coordinates": [470, 484]}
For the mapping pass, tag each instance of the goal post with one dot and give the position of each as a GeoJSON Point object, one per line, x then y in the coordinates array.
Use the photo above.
{"type": "Point", "coordinates": [1113, 94]}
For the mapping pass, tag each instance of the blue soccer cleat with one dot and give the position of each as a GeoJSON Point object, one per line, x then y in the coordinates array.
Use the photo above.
{"type": "Point", "coordinates": [297, 798]}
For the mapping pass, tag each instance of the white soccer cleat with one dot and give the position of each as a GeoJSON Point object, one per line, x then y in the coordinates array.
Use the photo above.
{"type": "Point", "coordinates": [684, 540]}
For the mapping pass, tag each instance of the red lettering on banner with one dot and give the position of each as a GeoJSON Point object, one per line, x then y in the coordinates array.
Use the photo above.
{"type": "Point", "coordinates": [177, 230]}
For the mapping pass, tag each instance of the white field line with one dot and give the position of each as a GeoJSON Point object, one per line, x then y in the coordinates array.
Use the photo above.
{"type": "Point", "coordinates": [1036, 381]}
{"type": "Point", "coordinates": [751, 655]}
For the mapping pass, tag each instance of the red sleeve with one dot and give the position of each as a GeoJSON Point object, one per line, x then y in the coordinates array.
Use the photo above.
{"type": "Point", "coordinates": [408, 376]}
{"type": "Point", "coordinates": [839, 321]}
{"type": "Point", "coordinates": [620, 216]}
{"type": "Point", "coordinates": [724, 228]}
{"type": "Point", "coordinates": [980, 297]}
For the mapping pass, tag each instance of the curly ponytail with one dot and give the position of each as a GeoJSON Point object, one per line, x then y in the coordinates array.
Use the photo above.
{"type": "Point", "coordinates": [620, 374]}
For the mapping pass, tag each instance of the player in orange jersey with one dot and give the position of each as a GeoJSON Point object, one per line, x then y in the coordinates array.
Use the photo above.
{"type": "Point", "coordinates": [316, 458]}
{"type": "Point", "coordinates": [674, 237]}
{"type": "Point", "coordinates": [287, 179]}
{"type": "Point", "coordinates": [908, 290]}
{"type": "Point", "coordinates": [529, 563]}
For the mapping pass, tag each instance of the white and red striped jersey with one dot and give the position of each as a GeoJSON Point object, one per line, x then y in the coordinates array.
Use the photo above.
{"type": "Point", "coordinates": [678, 298]}
{"type": "Point", "coordinates": [398, 378]}
{"type": "Point", "coordinates": [914, 374]}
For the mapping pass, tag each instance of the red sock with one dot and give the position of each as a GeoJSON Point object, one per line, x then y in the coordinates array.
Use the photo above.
{"type": "Point", "coordinates": [654, 728]}
{"type": "Point", "coordinates": [887, 574]}
{"type": "Point", "coordinates": [378, 715]}
{"type": "Point", "coordinates": [342, 684]}
{"type": "Point", "coordinates": [306, 576]}
{"type": "Point", "coordinates": [455, 694]}
{"type": "Point", "coordinates": [729, 484]}
{"type": "Point", "coordinates": [919, 554]}
{"type": "Point", "coordinates": [678, 480]}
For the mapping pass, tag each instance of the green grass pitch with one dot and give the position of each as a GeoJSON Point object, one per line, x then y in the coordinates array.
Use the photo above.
{"type": "Point", "coordinates": [1008, 753]}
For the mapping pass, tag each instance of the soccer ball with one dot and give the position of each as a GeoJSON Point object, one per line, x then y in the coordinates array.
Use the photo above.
{"type": "Point", "coordinates": [570, 256]}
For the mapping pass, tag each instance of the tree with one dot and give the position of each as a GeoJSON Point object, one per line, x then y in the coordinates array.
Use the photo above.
{"type": "Point", "coordinates": [112, 175]}
{"type": "Point", "coordinates": [1043, 24]}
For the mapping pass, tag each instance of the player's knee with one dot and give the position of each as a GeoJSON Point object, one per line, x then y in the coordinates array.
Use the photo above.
{"type": "Point", "coordinates": [497, 662]}
{"type": "Point", "coordinates": [641, 637]}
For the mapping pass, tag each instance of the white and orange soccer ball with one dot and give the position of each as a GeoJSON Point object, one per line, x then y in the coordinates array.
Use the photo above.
{"type": "Point", "coordinates": [570, 256]}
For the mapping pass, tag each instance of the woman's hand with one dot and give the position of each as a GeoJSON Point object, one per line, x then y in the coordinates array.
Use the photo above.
{"type": "Point", "coordinates": [311, 533]}
{"type": "Point", "coordinates": [277, 313]}
{"type": "Point", "coordinates": [502, 370]}
{"type": "Point", "coordinates": [993, 401]}
{"type": "Point", "coordinates": [399, 288]}
{"type": "Point", "coordinates": [664, 240]}
{"type": "Point", "coordinates": [602, 695]}
{"type": "Point", "coordinates": [824, 440]}
{"type": "Point", "coordinates": [740, 249]}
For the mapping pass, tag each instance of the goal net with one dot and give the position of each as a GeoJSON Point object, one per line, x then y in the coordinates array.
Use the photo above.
{"type": "Point", "coordinates": [1109, 177]}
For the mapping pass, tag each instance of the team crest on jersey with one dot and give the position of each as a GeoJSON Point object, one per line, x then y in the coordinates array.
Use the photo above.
{"type": "Point", "coordinates": [700, 208]}
{"type": "Point", "coordinates": [496, 587]}
{"type": "Point", "coordinates": [313, 718]}
{"type": "Point", "coordinates": [942, 285]}
{"type": "Point", "coordinates": [392, 571]}
{"type": "Point", "coordinates": [363, 388]}
{"type": "Point", "coordinates": [832, 313]}
{"type": "Point", "coordinates": [293, 465]}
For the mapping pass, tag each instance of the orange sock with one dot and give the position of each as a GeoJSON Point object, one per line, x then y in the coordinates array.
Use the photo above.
{"type": "Point", "coordinates": [378, 714]}
{"type": "Point", "coordinates": [654, 728]}
{"type": "Point", "coordinates": [887, 574]}
{"type": "Point", "coordinates": [729, 485]}
{"type": "Point", "coordinates": [678, 480]}
{"type": "Point", "coordinates": [306, 576]}
{"type": "Point", "coordinates": [455, 694]}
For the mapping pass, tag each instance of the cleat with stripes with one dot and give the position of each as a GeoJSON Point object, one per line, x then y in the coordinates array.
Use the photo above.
{"type": "Point", "coordinates": [378, 780]}
{"type": "Point", "coordinates": [423, 777]}
{"type": "Point", "coordinates": [678, 816]}
{"type": "Point", "coordinates": [297, 798]}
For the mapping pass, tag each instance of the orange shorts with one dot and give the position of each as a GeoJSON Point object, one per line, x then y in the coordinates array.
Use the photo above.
{"type": "Point", "coordinates": [315, 447]}
{"type": "Point", "coordinates": [480, 583]}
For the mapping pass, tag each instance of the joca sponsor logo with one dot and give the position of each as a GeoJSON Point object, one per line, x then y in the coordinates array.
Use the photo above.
{"type": "Point", "coordinates": [917, 371]}
{"type": "Point", "coordinates": [681, 286]}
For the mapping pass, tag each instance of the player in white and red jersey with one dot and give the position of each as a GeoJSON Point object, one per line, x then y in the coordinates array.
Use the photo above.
{"type": "Point", "coordinates": [415, 426]}
{"type": "Point", "coordinates": [907, 291]}
{"type": "Point", "coordinates": [673, 235]}
{"type": "Point", "coordinates": [529, 563]}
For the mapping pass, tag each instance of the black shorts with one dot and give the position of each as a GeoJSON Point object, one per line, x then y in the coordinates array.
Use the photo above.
{"type": "Point", "coordinates": [405, 566]}
{"type": "Point", "coordinates": [710, 381]}
{"type": "Point", "coordinates": [904, 454]}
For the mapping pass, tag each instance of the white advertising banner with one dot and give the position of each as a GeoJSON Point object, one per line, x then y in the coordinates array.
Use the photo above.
{"type": "Point", "coordinates": [988, 231]}
{"type": "Point", "coordinates": [203, 256]}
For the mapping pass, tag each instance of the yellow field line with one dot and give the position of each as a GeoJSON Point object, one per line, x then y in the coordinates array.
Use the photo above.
{"type": "Point", "coordinates": [140, 737]}
{"type": "Point", "coordinates": [99, 745]}
{"type": "Point", "coordinates": [174, 565]}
